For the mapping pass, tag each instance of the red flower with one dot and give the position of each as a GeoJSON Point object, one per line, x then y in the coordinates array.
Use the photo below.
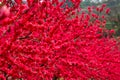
{"type": "Point", "coordinates": [4, 11]}
{"type": "Point", "coordinates": [107, 10]}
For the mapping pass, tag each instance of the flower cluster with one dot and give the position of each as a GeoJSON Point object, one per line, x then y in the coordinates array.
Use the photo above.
{"type": "Point", "coordinates": [50, 41]}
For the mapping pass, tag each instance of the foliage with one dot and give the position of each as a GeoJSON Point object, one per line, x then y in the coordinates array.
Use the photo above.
{"type": "Point", "coordinates": [85, 3]}
{"type": "Point", "coordinates": [113, 19]}
{"type": "Point", "coordinates": [40, 41]}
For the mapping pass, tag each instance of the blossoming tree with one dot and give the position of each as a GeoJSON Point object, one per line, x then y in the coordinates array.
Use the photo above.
{"type": "Point", "coordinates": [44, 41]}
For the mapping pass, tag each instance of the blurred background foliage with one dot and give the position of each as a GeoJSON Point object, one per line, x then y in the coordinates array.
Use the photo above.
{"type": "Point", "coordinates": [113, 19]}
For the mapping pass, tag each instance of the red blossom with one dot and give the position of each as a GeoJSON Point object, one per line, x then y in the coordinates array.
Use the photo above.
{"type": "Point", "coordinates": [4, 12]}
{"type": "Point", "coordinates": [107, 10]}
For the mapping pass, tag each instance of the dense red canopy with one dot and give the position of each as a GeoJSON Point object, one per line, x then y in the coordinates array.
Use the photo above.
{"type": "Point", "coordinates": [49, 41]}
